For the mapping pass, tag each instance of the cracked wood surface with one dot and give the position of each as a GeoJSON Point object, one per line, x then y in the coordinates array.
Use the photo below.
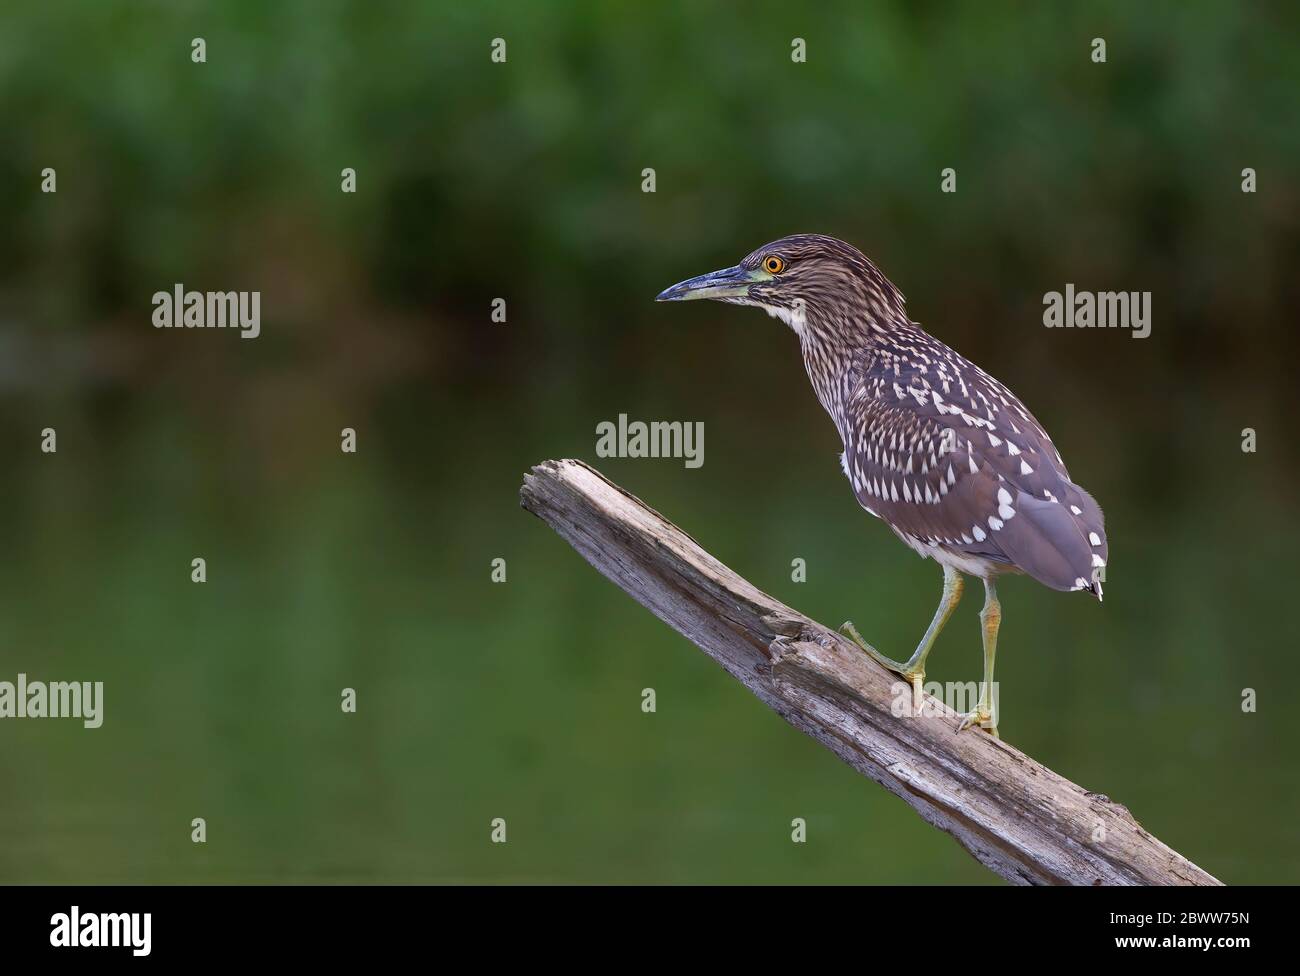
{"type": "Point", "coordinates": [1015, 816]}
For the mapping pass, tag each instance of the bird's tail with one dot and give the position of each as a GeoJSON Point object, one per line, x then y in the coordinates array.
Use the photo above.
{"type": "Point", "coordinates": [1060, 543]}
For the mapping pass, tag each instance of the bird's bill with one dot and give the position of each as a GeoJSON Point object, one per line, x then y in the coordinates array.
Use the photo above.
{"type": "Point", "coordinates": [727, 283]}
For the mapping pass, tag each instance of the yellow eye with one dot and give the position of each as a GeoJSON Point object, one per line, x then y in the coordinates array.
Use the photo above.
{"type": "Point", "coordinates": [773, 264]}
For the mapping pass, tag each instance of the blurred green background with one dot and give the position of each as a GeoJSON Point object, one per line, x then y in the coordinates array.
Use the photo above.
{"type": "Point", "coordinates": [522, 180]}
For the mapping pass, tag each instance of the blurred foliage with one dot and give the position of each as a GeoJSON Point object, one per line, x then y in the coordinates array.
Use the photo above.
{"type": "Point", "coordinates": [522, 180]}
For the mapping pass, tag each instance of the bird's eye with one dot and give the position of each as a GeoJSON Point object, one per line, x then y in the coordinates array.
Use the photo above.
{"type": "Point", "coordinates": [773, 264]}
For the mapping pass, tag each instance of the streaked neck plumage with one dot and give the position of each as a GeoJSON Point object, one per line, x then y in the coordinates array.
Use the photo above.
{"type": "Point", "coordinates": [841, 327]}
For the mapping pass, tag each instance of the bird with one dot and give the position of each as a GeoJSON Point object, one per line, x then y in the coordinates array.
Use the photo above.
{"type": "Point", "coordinates": [937, 448]}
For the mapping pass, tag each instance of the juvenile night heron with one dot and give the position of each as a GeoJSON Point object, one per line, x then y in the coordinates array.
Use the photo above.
{"type": "Point", "coordinates": [946, 455]}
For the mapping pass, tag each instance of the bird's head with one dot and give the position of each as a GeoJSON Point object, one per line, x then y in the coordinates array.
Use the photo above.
{"type": "Point", "coordinates": [798, 278]}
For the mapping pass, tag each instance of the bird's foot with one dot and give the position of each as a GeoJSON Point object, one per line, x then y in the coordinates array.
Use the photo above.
{"type": "Point", "coordinates": [907, 672]}
{"type": "Point", "coordinates": [851, 632]}
{"type": "Point", "coordinates": [983, 717]}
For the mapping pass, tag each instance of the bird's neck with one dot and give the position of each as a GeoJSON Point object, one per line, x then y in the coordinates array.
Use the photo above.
{"type": "Point", "coordinates": [829, 366]}
{"type": "Point", "coordinates": [836, 347]}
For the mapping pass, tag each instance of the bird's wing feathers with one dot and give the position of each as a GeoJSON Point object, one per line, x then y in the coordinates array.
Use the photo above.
{"type": "Point", "coordinates": [948, 455]}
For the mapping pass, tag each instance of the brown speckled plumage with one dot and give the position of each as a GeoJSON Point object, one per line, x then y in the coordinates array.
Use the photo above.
{"type": "Point", "coordinates": [941, 451]}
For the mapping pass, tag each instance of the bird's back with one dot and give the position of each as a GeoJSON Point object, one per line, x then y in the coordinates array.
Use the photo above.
{"type": "Point", "coordinates": [951, 458]}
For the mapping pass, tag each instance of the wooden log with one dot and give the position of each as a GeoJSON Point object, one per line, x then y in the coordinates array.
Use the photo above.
{"type": "Point", "coordinates": [1015, 816]}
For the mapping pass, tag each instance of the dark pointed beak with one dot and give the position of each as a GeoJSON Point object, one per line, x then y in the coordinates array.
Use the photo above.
{"type": "Point", "coordinates": [727, 283]}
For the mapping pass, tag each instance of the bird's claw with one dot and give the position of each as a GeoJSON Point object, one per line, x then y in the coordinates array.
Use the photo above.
{"type": "Point", "coordinates": [918, 694]}
{"type": "Point", "coordinates": [981, 716]}
{"type": "Point", "coordinates": [915, 678]}
{"type": "Point", "coordinates": [851, 632]}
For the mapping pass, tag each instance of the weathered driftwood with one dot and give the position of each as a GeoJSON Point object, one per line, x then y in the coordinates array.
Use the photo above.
{"type": "Point", "coordinates": [1016, 816]}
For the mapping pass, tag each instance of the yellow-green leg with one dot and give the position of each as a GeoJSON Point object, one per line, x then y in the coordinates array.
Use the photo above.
{"type": "Point", "coordinates": [991, 619]}
{"type": "Point", "coordinates": [913, 669]}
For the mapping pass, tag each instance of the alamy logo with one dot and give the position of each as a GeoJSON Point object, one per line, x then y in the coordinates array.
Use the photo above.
{"type": "Point", "coordinates": [106, 929]}
{"type": "Point", "coordinates": [1098, 310]}
{"type": "Point", "coordinates": [179, 308]}
{"type": "Point", "coordinates": [54, 699]}
{"type": "Point", "coordinates": [657, 439]}
{"type": "Point", "coordinates": [962, 697]}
